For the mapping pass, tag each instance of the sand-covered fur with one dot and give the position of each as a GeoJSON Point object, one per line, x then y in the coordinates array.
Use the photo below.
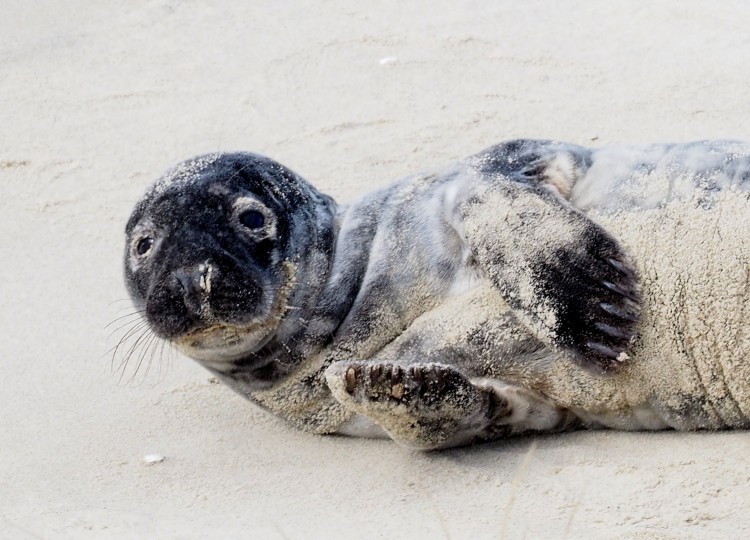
{"type": "Point", "coordinates": [534, 286]}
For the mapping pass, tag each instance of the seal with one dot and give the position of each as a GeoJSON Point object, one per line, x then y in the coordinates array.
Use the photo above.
{"type": "Point", "coordinates": [502, 294]}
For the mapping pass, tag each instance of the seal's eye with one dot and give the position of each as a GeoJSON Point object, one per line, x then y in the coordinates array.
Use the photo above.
{"type": "Point", "coordinates": [252, 219]}
{"type": "Point", "coordinates": [144, 245]}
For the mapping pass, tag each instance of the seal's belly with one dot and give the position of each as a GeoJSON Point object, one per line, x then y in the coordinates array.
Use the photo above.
{"type": "Point", "coordinates": [690, 365]}
{"type": "Point", "coordinates": [691, 362]}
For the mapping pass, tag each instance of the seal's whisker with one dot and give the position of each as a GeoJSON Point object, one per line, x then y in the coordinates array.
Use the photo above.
{"type": "Point", "coordinates": [148, 346]}
{"type": "Point", "coordinates": [113, 302]}
{"type": "Point", "coordinates": [126, 356]}
{"type": "Point", "coordinates": [168, 344]}
{"type": "Point", "coordinates": [125, 325]}
{"type": "Point", "coordinates": [145, 333]}
{"type": "Point", "coordinates": [129, 334]}
{"type": "Point", "coordinates": [135, 325]}
{"type": "Point", "coordinates": [160, 348]}
{"type": "Point", "coordinates": [120, 329]}
{"type": "Point", "coordinates": [171, 354]}
{"type": "Point", "coordinates": [156, 345]}
{"type": "Point", "coordinates": [140, 342]}
{"type": "Point", "coordinates": [127, 315]}
{"type": "Point", "coordinates": [132, 320]}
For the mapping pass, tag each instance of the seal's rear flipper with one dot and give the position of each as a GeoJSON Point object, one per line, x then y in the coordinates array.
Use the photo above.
{"type": "Point", "coordinates": [566, 279]}
{"type": "Point", "coordinates": [429, 405]}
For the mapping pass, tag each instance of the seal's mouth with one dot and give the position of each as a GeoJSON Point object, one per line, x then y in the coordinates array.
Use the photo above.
{"type": "Point", "coordinates": [224, 343]}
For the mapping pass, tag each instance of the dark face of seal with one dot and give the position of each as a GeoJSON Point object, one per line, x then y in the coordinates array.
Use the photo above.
{"type": "Point", "coordinates": [214, 251]}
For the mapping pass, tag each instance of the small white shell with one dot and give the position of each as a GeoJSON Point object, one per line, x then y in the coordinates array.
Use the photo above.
{"type": "Point", "coordinates": [150, 459]}
{"type": "Point", "coordinates": [388, 60]}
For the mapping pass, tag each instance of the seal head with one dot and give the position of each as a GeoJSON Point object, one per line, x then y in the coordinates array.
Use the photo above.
{"type": "Point", "coordinates": [215, 250]}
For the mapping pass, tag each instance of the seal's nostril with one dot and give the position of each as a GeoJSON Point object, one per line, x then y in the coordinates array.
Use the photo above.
{"type": "Point", "coordinates": [185, 279]}
{"type": "Point", "coordinates": [191, 284]}
{"type": "Point", "coordinates": [196, 279]}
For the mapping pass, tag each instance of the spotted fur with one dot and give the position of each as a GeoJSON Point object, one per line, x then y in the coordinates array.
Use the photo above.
{"type": "Point", "coordinates": [435, 310]}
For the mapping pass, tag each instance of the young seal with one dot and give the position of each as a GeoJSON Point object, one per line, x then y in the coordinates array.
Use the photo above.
{"type": "Point", "coordinates": [489, 298]}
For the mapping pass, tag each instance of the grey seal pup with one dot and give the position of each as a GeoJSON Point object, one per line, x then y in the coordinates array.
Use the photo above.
{"type": "Point", "coordinates": [536, 286]}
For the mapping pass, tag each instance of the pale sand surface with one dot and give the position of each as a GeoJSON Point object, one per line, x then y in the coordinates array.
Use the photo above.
{"type": "Point", "coordinates": [97, 100]}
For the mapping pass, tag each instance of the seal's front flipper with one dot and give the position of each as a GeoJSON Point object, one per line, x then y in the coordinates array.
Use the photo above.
{"type": "Point", "coordinates": [566, 279]}
{"type": "Point", "coordinates": [430, 405]}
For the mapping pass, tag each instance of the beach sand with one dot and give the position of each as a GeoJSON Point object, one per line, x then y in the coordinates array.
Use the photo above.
{"type": "Point", "coordinates": [98, 99]}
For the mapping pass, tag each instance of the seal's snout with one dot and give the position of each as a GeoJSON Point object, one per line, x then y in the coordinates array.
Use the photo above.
{"type": "Point", "coordinates": [199, 295]}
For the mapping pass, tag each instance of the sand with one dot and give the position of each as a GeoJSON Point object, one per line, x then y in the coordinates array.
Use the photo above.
{"type": "Point", "coordinates": [98, 99]}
